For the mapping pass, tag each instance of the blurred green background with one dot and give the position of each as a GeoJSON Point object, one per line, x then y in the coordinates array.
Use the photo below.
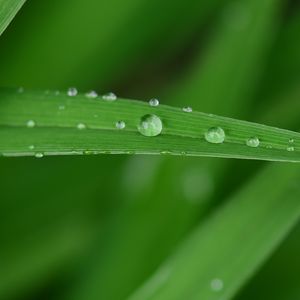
{"type": "Point", "coordinates": [96, 227]}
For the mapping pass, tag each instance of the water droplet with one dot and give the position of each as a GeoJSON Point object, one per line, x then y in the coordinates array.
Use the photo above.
{"type": "Point", "coordinates": [187, 109]}
{"type": "Point", "coordinates": [39, 155]}
{"type": "Point", "coordinates": [91, 94]}
{"type": "Point", "coordinates": [217, 284]}
{"type": "Point", "coordinates": [109, 97]}
{"type": "Point", "coordinates": [31, 147]}
{"type": "Point", "coordinates": [81, 126]}
{"type": "Point", "coordinates": [154, 102]}
{"type": "Point", "coordinates": [215, 135]}
{"type": "Point", "coordinates": [61, 107]}
{"type": "Point", "coordinates": [20, 90]}
{"type": "Point", "coordinates": [56, 93]}
{"type": "Point", "coordinates": [96, 116]}
{"type": "Point", "coordinates": [291, 141]}
{"type": "Point", "coordinates": [150, 125]}
{"type": "Point", "coordinates": [290, 148]}
{"type": "Point", "coordinates": [72, 92]}
{"type": "Point", "coordinates": [120, 125]}
{"type": "Point", "coordinates": [253, 142]}
{"type": "Point", "coordinates": [30, 123]}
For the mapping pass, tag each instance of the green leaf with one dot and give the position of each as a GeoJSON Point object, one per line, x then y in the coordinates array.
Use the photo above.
{"type": "Point", "coordinates": [216, 260]}
{"type": "Point", "coordinates": [8, 10]}
{"type": "Point", "coordinates": [57, 120]}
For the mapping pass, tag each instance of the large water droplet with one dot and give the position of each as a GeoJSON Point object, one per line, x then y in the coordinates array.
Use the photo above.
{"type": "Point", "coordinates": [215, 135]}
{"type": "Point", "coordinates": [91, 94]}
{"type": "Point", "coordinates": [290, 148]}
{"type": "Point", "coordinates": [81, 126]}
{"type": "Point", "coordinates": [109, 97]}
{"type": "Point", "coordinates": [30, 123]}
{"type": "Point", "coordinates": [153, 102]}
{"type": "Point", "coordinates": [72, 92]}
{"type": "Point", "coordinates": [217, 284]}
{"type": "Point", "coordinates": [187, 109]}
{"type": "Point", "coordinates": [120, 125]}
{"type": "Point", "coordinates": [39, 155]}
{"type": "Point", "coordinates": [150, 125]}
{"type": "Point", "coordinates": [253, 142]}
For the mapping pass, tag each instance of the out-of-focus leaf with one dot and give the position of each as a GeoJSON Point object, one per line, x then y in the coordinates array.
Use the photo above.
{"type": "Point", "coordinates": [8, 10]}
{"type": "Point", "coordinates": [227, 248]}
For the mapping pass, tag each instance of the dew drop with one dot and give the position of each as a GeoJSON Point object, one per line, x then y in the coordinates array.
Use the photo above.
{"type": "Point", "coordinates": [154, 102]}
{"type": "Point", "coordinates": [150, 125]}
{"type": "Point", "coordinates": [215, 135]}
{"type": "Point", "coordinates": [31, 147]}
{"type": "Point", "coordinates": [57, 92]}
{"type": "Point", "coordinates": [120, 125]}
{"type": "Point", "coordinates": [253, 142]}
{"type": "Point", "coordinates": [217, 284]}
{"type": "Point", "coordinates": [187, 109]}
{"type": "Point", "coordinates": [72, 92]}
{"type": "Point", "coordinates": [39, 155]}
{"type": "Point", "coordinates": [91, 94]}
{"type": "Point", "coordinates": [30, 123]}
{"type": "Point", "coordinates": [290, 148]}
{"type": "Point", "coordinates": [61, 107]}
{"type": "Point", "coordinates": [81, 126]}
{"type": "Point", "coordinates": [291, 141]}
{"type": "Point", "coordinates": [109, 97]}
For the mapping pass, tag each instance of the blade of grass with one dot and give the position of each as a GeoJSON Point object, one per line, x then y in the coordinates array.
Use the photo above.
{"type": "Point", "coordinates": [8, 10]}
{"type": "Point", "coordinates": [183, 133]}
{"type": "Point", "coordinates": [228, 247]}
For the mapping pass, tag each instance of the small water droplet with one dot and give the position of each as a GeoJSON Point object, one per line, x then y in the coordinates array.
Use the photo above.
{"type": "Point", "coordinates": [150, 125]}
{"type": "Point", "coordinates": [253, 142]}
{"type": "Point", "coordinates": [30, 123]}
{"type": "Point", "coordinates": [96, 116]}
{"type": "Point", "coordinates": [120, 125]}
{"type": "Point", "coordinates": [154, 102]}
{"type": "Point", "coordinates": [109, 97]}
{"type": "Point", "coordinates": [61, 107]}
{"type": "Point", "coordinates": [187, 109]}
{"type": "Point", "coordinates": [31, 147]}
{"type": "Point", "coordinates": [290, 148]}
{"type": "Point", "coordinates": [72, 92]}
{"type": "Point", "coordinates": [81, 126]}
{"type": "Point", "coordinates": [56, 93]}
{"type": "Point", "coordinates": [39, 155]}
{"type": "Point", "coordinates": [269, 147]}
{"type": "Point", "coordinates": [217, 284]}
{"type": "Point", "coordinates": [291, 141]}
{"type": "Point", "coordinates": [215, 135]}
{"type": "Point", "coordinates": [91, 94]}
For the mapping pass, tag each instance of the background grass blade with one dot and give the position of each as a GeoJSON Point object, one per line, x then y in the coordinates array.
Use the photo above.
{"type": "Point", "coordinates": [8, 10]}
{"type": "Point", "coordinates": [183, 133]}
{"type": "Point", "coordinates": [206, 266]}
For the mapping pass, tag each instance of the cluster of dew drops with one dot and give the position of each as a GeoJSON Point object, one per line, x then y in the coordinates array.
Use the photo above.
{"type": "Point", "coordinates": [151, 125]}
